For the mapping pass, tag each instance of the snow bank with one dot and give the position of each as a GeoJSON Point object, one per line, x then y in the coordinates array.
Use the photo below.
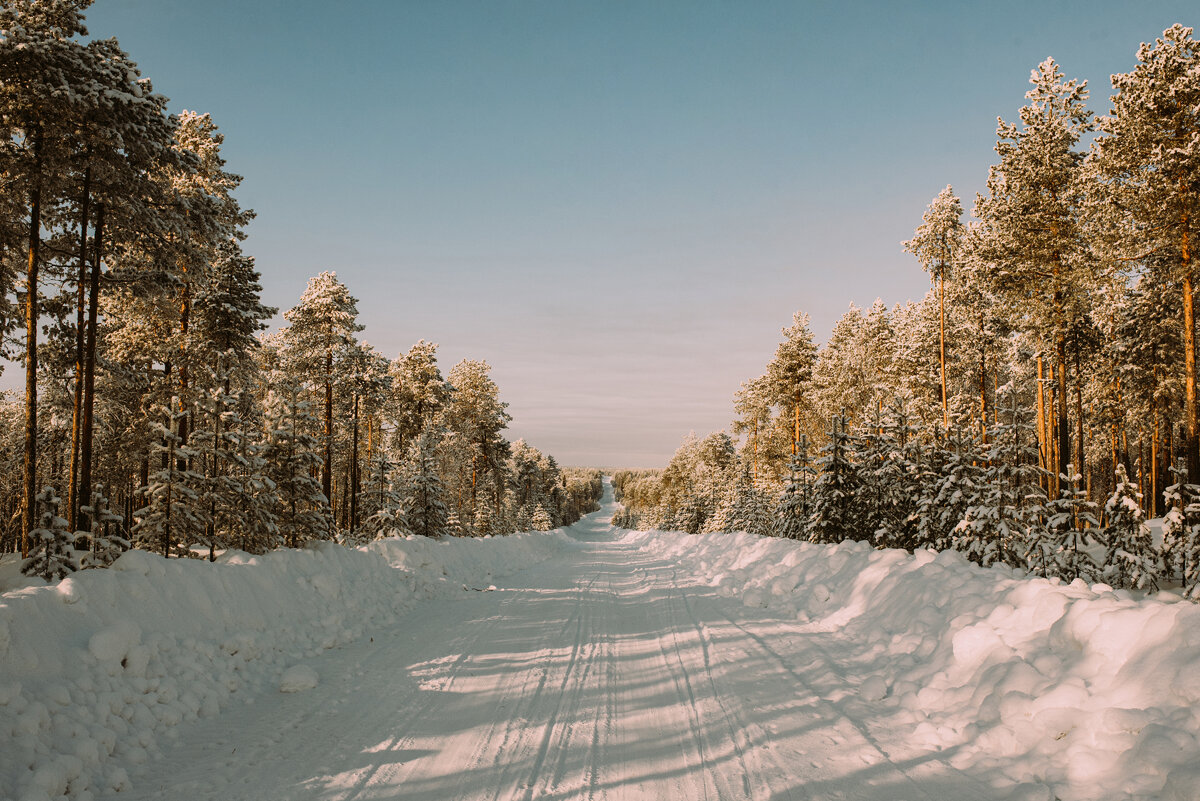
{"type": "Point", "coordinates": [100, 664]}
{"type": "Point", "coordinates": [1082, 690]}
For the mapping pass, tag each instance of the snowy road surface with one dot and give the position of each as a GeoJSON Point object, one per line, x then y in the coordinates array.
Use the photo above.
{"type": "Point", "coordinates": [604, 674]}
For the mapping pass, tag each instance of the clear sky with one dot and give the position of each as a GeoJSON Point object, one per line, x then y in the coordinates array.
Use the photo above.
{"type": "Point", "coordinates": [616, 204]}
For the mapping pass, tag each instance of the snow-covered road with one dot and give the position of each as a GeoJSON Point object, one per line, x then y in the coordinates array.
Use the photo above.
{"type": "Point", "coordinates": [606, 673]}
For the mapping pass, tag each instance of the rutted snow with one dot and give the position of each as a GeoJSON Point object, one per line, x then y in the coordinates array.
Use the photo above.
{"type": "Point", "coordinates": [1084, 689]}
{"type": "Point", "coordinates": [639, 663]}
{"type": "Point", "coordinates": [298, 678]}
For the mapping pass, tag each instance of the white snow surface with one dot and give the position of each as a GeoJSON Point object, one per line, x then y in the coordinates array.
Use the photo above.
{"type": "Point", "coordinates": [97, 668]}
{"type": "Point", "coordinates": [594, 663]}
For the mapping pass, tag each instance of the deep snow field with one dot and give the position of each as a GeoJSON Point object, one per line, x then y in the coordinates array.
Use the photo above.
{"type": "Point", "coordinates": [95, 669]}
{"type": "Point", "coordinates": [994, 683]}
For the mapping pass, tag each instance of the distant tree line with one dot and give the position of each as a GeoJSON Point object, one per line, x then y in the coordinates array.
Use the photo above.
{"type": "Point", "coordinates": [1037, 399]}
{"type": "Point", "coordinates": [155, 414]}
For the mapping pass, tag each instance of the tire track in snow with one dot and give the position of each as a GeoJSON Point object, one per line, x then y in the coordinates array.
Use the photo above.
{"type": "Point", "coordinates": [969, 790]}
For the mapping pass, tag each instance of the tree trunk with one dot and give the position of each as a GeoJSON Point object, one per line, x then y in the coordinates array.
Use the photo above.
{"type": "Point", "coordinates": [89, 361]}
{"type": "Point", "coordinates": [942, 346]}
{"type": "Point", "coordinates": [1043, 445]}
{"type": "Point", "coordinates": [73, 503]}
{"type": "Point", "coordinates": [795, 426]}
{"type": "Point", "coordinates": [185, 316]}
{"type": "Point", "coordinates": [29, 471]}
{"type": "Point", "coordinates": [1189, 353]}
{"type": "Point", "coordinates": [1052, 435]}
{"type": "Point", "coordinates": [983, 409]}
{"type": "Point", "coordinates": [354, 472]}
{"type": "Point", "coordinates": [1080, 464]}
{"type": "Point", "coordinates": [1064, 433]}
{"type": "Point", "coordinates": [327, 467]}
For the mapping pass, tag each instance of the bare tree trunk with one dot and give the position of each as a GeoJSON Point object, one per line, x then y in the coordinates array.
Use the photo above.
{"type": "Point", "coordinates": [89, 361]}
{"type": "Point", "coordinates": [327, 467]}
{"type": "Point", "coordinates": [942, 344]}
{"type": "Point", "coordinates": [1044, 461]}
{"type": "Point", "coordinates": [1064, 432]}
{"type": "Point", "coordinates": [73, 503]}
{"type": "Point", "coordinates": [1080, 464]}
{"type": "Point", "coordinates": [1189, 353]}
{"type": "Point", "coordinates": [983, 407]}
{"type": "Point", "coordinates": [29, 471]}
{"type": "Point", "coordinates": [1052, 402]}
{"type": "Point", "coordinates": [354, 473]}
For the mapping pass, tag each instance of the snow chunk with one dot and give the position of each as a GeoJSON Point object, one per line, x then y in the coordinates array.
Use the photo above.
{"type": "Point", "coordinates": [298, 678]}
{"type": "Point", "coordinates": [114, 643]}
{"type": "Point", "coordinates": [873, 689]}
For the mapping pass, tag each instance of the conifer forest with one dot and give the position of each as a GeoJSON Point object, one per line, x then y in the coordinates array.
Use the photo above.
{"type": "Point", "coordinates": [156, 413]}
{"type": "Point", "coordinates": [1038, 404]}
{"type": "Point", "coordinates": [949, 549]}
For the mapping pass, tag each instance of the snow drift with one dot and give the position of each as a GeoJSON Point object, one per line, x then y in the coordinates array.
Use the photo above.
{"type": "Point", "coordinates": [1084, 691]}
{"type": "Point", "coordinates": [103, 663]}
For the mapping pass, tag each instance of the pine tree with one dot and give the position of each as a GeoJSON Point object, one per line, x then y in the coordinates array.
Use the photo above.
{"type": "Point", "coordinates": [1031, 235]}
{"type": "Point", "coordinates": [1073, 525]}
{"type": "Point", "coordinates": [833, 492]}
{"type": "Point", "coordinates": [1181, 533]}
{"type": "Point", "coordinates": [1147, 158]}
{"type": "Point", "coordinates": [794, 509]}
{"type": "Point", "coordinates": [292, 455]}
{"type": "Point", "coordinates": [52, 555]}
{"type": "Point", "coordinates": [319, 336]}
{"type": "Point", "coordinates": [174, 515]}
{"type": "Point", "coordinates": [1130, 559]}
{"type": "Point", "coordinates": [936, 244]}
{"type": "Point", "coordinates": [790, 373]}
{"type": "Point", "coordinates": [104, 545]}
{"type": "Point", "coordinates": [1005, 526]}
{"type": "Point", "coordinates": [428, 515]}
{"type": "Point", "coordinates": [952, 491]}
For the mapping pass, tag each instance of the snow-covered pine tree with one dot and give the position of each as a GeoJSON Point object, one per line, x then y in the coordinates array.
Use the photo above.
{"type": "Point", "coordinates": [52, 553]}
{"type": "Point", "coordinates": [383, 504]}
{"type": "Point", "coordinates": [937, 243]}
{"type": "Point", "coordinates": [428, 515]}
{"type": "Point", "coordinates": [174, 515]}
{"type": "Point", "coordinates": [794, 509]}
{"type": "Point", "coordinates": [893, 467]}
{"type": "Point", "coordinates": [1006, 524]}
{"type": "Point", "coordinates": [1031, 234]}
{"type": "Point", "coordinates": [749, 511]}
{"type": "Point", "coordinates": [954, 487]}
{"type": "Point", "coordinates": [837, 482]}
{"type": "Point", "coordinates": [1181, 532]}
{"type": "Point", "coordinates": [1130, 559]}
{"type": "Point", "coordinates": [292, 455]}
{"type": "Point", "coordinates": [1073, 528]}
{"type": "Point", "coordinates": [319, 336]}
{"type": "Point", "coordinates": [540, 519]}
{"type": "Point", "coordinates": [104, 543]}
{"type": "Point", "coordinates": [1147, 158]}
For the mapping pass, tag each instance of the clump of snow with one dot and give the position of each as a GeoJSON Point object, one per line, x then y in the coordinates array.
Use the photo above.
{"type": "Point", "coordinates": [298, 678]}
{"type": "Point", "coordinates": [1059, 690]}
{"type": "Point", "coordinates": [95, 667]}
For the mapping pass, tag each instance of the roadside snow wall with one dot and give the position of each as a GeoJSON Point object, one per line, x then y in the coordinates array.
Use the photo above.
{"type": "Point", "coordinates": [103, 662]}
{"type": "Point", "coordinates": [1083, 690]}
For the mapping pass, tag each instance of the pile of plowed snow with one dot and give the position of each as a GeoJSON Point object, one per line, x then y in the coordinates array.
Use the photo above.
{"type": "Point", "coordinates": [1085, 689]}
{"type": "Point", "coordinates": [100, 664]}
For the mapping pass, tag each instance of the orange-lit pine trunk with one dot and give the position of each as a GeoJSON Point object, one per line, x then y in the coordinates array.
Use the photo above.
{"type": "Point", "coordinates": [1189, 351]}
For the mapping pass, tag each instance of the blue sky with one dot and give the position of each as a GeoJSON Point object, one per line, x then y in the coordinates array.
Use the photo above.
{"type": "Point", "coordinates": [616, 204]}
